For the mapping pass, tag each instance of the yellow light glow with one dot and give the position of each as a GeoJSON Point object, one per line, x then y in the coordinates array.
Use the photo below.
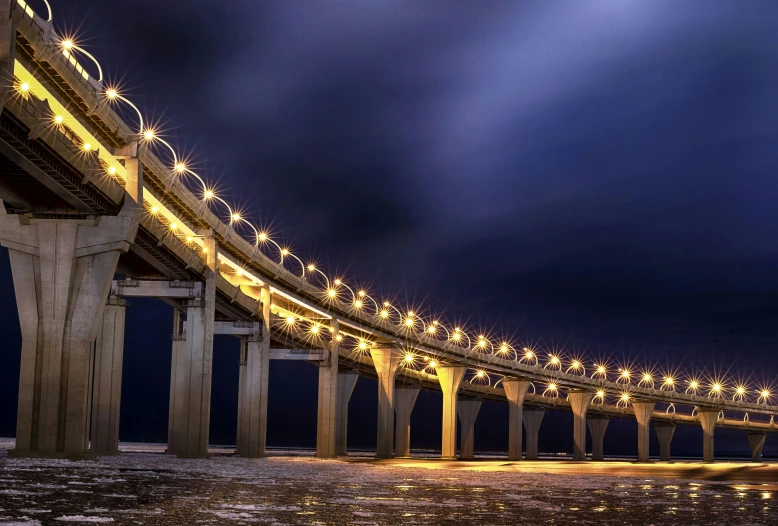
{"type": "Point", "coordinates": [112, 170]}
{"type": "Point", "coordinates": [554, 360]}
{"type": "Point", "coordinates": [154, 209]}
{"type": "Point", "coordinates": [433, 364]}
{"type": "Point", "coordinates": [503, 348]}
{"type": "Point", "coordinates": [625, 373]}
{"type": "Point", "coordinates": [600, 394]}
{"type": "Point", "coordinates": [362, 345]}
{"type": "Point", "coordinates": [87, 146]}
{"type": "Point", "coordinates": [431, 329]}
{"type": "Point", "coordinates": [59, 119]}
{"type": "Point", "coordinates": [314, 329]}
{"type": "Point", "coordinates": [261, 236]}
{"type": "Point", "coordinates": [290, 320]}
{"type": "Point", "coordinates": [209, 195]}
{"type": "Point", "coordinates": [180, 168]}
{"type": "Point", "coordinates": [68, 44]}
{"type": "Point", "coordinates": [111, 93]}
{"type": "Point", "coordinates": [529, 354]}
{"type": "Point", "coordinates": [717, 387]}
{"type": "Point", "coordinates": [409, 322]}
{"type": "Point", "coordinates": [339, 338]}
{"type": "Point", "coordinates": [647, 377]}
{"type": "Point", "coordinates": [358, 304]}
{"type": "Point", "coordinates": [552, 386]}
{"type": "Point", "coordinates": [240, 270]}
{"type": "Point", "coordinates": [482, 343]}
{"type": "Point", "coordinates": [236, 216]}
{"type": "Point", "coordinates": [576, 364]}
{"type": "Point", "coordinates": [311, 268]}
{"type": "Point", "coordinates": [332, 293]}
{"type": "Point", "coordinates": [386, 304]}
{"type": "Point", "coordinates": [384, 313]}
{"type": "Point", "coordinates": [361, 293]}
{"type": "Point", "coordinates": [740, 390]}
{"type": "Point", "coordinates": [625, 396]}
{"type": "Point", "coordinates": [693, 384]}
{"type": "Point", "coordinates": [189, 239]}
{"type": "Point", "coordinates": [601, 369]}
{"type": "Point", "coordinates": [24, 86]}
{"type": "Point", "coordinates": [480, 374]}
{"type": "Point", "coordinates": [409, 358]}
{"type": "Point", "coordinates": [410, 314]}
{"type": "Point", "coordinates": [456, 336]}
{"type": "Point", "coordinates": [149, 134]}
{"type": "Point", "coordinates": [173, 226]}
{"type": "Point", "coordinates": [338, 282]}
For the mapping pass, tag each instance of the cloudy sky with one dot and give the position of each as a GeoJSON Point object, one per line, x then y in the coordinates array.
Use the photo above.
{"type": "Point", "coordinates": [596, 175]}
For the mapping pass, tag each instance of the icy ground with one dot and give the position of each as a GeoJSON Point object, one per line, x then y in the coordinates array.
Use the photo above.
{"type": "Point", "coordinates": [144, 486]}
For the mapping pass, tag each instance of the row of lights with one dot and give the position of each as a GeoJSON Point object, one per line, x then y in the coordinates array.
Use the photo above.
{"type": "Point", "coordinates": [409, 320]}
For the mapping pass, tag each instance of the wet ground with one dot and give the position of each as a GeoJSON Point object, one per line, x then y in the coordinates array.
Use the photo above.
{"type": "Point", "coordinates": [144, 486]}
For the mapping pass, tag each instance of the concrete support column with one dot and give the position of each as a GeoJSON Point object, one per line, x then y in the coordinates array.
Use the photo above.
{"type": "Point", "coordinates": [643, 412]}
{"type": "Point", "coordinates": [386, 360]}
{"type": "Point", "coordinates": [107, 391]}
{"type": "Point", "coordinates": [665, 432]}
{"type": "Point", "coordinates": [404, 400]}
{"type": "Point", "coordinates": [62, 272]}
{"type": "Point", "coordinates": [450, 377]}
{"type": "Point", "coordinates": [579, 403]}
{"type": "Point", "coordinates": [708, 420]}
{"type": "Point", "coordinates": [176, 371]}
{"type": "Point", "coordinates": [326, 427]}
{"type": "Point", "coordinates": [532, 420]}
{"type": "Point", "coordinates": [467, 410]}
{"type": "Point", "coordinates": [597, 426]}
{"type": "Point", "coordinates": [195, 365]}
{"type": "Point", "coordinates": [756, 440]}
{"type": "Point", "coordinates": [515, 389]}
{"type": "Point", "coordinates": [347, 380]}
{"type": "Point", "coordinates": [253, 386]}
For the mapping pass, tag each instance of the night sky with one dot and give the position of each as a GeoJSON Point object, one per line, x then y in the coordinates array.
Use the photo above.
{"type": "Point", "coordinates": [599, 177]}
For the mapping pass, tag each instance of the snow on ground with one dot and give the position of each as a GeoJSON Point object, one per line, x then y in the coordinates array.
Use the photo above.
{"type": "Point", "coordinates": [144, 486]}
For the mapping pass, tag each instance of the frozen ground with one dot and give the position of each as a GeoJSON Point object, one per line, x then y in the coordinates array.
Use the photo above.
{"type": "Point", "coordinates": [143, 486]}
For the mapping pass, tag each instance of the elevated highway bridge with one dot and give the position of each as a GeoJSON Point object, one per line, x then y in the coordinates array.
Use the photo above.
{"type": "Point", "coordinates": [87, 196]}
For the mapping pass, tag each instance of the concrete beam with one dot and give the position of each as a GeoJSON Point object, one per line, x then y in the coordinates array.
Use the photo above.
{"type": "Point", "coordinates": [386, 360]}
{"type": "Point", "coordinates": [62, 272]}
{"type": "Point", "coordinates": [467, 410]}
{"type": "Point", "coordinates": [404, 400]}
{"type": "Point", "coordinates": [347, 380]}
{"type": "Point", "coordinates": [708, 420]}
{"type": "Point", "coordinates": [107, 390]}
{"type": "Point", "coordinates": [579, 404]}
{"type": "Point", "coordinates": [137, 288]}
{"type": "Point", "coordinates": [665, 432]}
{"type": "Point", "coordinates": [597, 426]}
{"type": "Point", "coordinates": [237, 328]}
{"type": "Point", "coordinates": [756, 441]}
{"type": "Point", "coordinates": [515, 390]}
{"type": "Point", "coordinates": [643, 412]}
{"type": "Point", "coordinates": [532, 420]}
{"type": "Point", "coordinates": [450, 376]}
{"type": "Point", "coordinates": [309, 355]}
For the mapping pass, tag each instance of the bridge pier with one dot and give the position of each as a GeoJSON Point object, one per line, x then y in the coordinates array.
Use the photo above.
{"type": "Point", "coordinates": [62, 272]}
{"type": "Point", "coordinates": [643, 412]}
{"type": "Point", "coordinates": [194, 369]}
{"type": "Point", "coordinates": [597, 426]}
{"type": "Point", "coordinates": [665, 432]}
{"type": "Point", "coordinates": [579, 403]}
{"type": "Point", "coordinates": [467, 410]}
{"type": "Point", "coordinates": [756, 439]}
{"type": "Point", "coordinates": [708, 420]}
{"type": "Point", "coordinates": [515, 390]}
{"type": "Point", "coordinates": [176, 388]}
{"type": "Point", "coordinates": [347, 380]}
{"type": "Point", "coordinates": [386, 360]}
{"type": "Point", "coordinates": [252, 388]}
{"type": "Point", "coordinates": [404, 400]}
{"type": "Point", "coordinates": [107, 390]}
{"type": "Point", "coordinates": [326, 420]}
{"type": "Point", "coordinates": [532, 420]}
{"type": "Point", "coordinates": [450, 376]}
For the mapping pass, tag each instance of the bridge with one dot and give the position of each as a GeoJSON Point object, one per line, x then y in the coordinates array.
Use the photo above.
{"type": "Point", "coordinates": [87, 195]}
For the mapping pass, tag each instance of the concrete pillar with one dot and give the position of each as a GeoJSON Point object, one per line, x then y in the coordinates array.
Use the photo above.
{"type": "Point", "coordinates": [467, 410]}
{"type": "Point", "coordinates": [326, 427]}
{"type": "Point", "coordinates": [515, 389]}
{"type": "Point", "coordinates": [347, 380]}
{"type": "Point", "coordinates": [708, 420]}
{"type": "Point", "coordinates": [176, 387]}
{"type": "Point", "coordinates": [386, 360]}
{"type": "Point", "coordinates": [579, 403]}
{"type": "Point", "coordinates": [532, 420]}
{"type": "Point", "coordinates": [253, 386]}
{"type": "Point", "coordinates": [193, 406]}
{"type": "Point", "coordinates": [404, 400]}
{"type": "Point", "coordinates": [756, 439]}
{"type": "Point", "coordinates": [107, 390]}
{"type": "Point", "coordinates": [62, 272]}
{"type": "Point", "coordinates": [597, 426]}
{"type": "Point", "coordinates": [665, 432]}
{"type": "Point", "coordinates": [643, 412]}
{"type": "Point", "coordinates": [450, 376]}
